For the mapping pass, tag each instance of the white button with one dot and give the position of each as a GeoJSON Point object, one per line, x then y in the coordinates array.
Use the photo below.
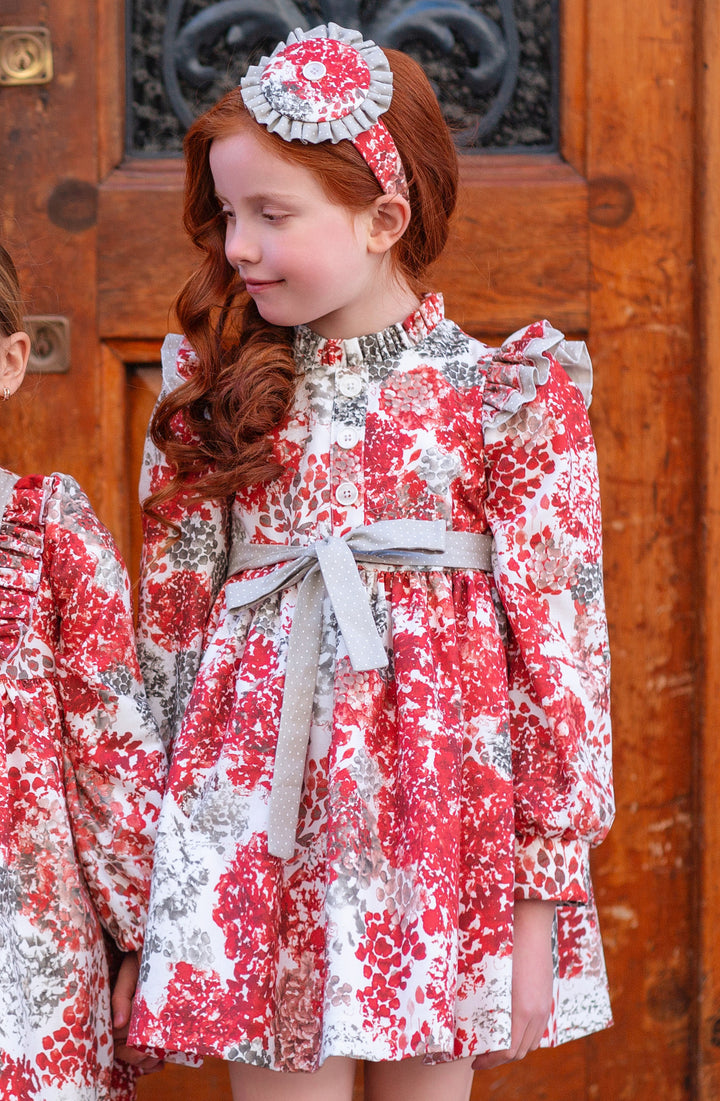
{"type": "Point", "coordinates": [347, 493]}
{"type": "Point", "coordinates": [350, 385]}
{"type": "Point", "coordinates": [347, 437]}
{"type": "Point", "coordinates": [314, 70]}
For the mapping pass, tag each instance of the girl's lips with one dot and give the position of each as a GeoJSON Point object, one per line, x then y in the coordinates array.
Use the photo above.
{"type": "Point", "coordinates": [254, 285]}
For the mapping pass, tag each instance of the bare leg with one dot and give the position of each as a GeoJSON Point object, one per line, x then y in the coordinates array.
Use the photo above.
{"type": "Point", "coordinates": [333, 1082]}
{"type": "Point", "coordinates": [411, 1080]}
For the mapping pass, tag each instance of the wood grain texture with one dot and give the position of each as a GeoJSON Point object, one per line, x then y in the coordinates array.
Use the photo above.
{"type": "Point", "coordinates": [708, 756]}
{"type": "Point", "coordinates": [573, 84]}
{"type": "Point", "coordinates": [143, 387]}
{"type": "Point", "coordinates": [495, 281]}
{"type": "Point", "coordinates": [519, 246]}
{"type": "Point", "coordinates": [110, 85]}
{"type": "Point", "coordinates": [115, 506]}
{"type": "Point", "coordinates": [144, 255]}
{"type": "Point", "coordinates": [640, 132]}
{"type": "Point", "coordinates": [48, 175]}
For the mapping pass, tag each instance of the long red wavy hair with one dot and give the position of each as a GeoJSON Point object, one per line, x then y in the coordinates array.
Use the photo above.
{"type": "Point", "coordinates": [244, 381]}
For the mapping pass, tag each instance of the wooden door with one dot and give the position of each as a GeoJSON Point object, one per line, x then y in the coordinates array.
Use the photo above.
{"type": "Point", "coordinates": [601, 239]}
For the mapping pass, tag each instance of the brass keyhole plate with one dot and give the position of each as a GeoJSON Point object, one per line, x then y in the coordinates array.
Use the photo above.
{"type": "Point", "coordinates": [25, 55]}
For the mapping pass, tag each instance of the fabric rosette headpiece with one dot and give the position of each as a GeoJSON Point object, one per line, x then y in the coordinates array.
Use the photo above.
{"type": "Point", "coordinates": [329, 84]}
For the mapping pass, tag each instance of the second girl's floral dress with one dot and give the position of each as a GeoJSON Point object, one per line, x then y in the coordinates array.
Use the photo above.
{"type": "Point", "coordinates": [471, 770]}
{"type": "Point", "coordinates": [81, 776]}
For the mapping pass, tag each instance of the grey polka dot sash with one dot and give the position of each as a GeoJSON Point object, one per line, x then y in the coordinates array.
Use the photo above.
{"type": "Point", "coordinates": [330, 566]}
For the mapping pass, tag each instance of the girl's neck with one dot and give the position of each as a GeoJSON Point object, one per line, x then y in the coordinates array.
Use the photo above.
{"type": "Point", "coordinates": [388, 304]}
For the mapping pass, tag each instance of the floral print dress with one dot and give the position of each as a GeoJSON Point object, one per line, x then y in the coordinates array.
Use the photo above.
{"type": "Point", "coordinates": [81, 776]}
{"type": "Point", "coordinates": [473, 770]}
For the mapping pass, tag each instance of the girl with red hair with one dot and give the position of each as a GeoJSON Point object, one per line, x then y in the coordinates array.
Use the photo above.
{"type": "Point", "coordinates": [372, 622]}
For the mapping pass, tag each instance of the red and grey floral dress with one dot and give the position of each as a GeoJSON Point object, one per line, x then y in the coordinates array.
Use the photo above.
{"type": "Point", "coordinates": [471, 769]}
{"type": "Point", "coordinates": [81, 776]}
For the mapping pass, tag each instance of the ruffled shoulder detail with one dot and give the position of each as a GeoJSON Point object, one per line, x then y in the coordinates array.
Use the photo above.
{"type": "Point", "coordinates": [514, 371]}
{"type": "Point", "coordinates": [178, 361]}
{"type": "Point", "coordinates": [22, 534]}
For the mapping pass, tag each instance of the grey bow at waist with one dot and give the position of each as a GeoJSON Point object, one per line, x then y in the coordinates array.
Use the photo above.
{"type": "Point", "coordinates": [331, 566]}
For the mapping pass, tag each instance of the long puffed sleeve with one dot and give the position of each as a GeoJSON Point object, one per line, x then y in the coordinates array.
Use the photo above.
{"type": "Point", "coordinates": [544, 511]}
{"type": "Point", "coordinates": [114, 761]}
{"type": "Point", "coordinates": [181, 573]}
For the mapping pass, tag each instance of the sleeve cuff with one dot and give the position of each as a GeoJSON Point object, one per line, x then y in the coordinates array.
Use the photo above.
{"type": "Point", "coordinates": [551, 869]}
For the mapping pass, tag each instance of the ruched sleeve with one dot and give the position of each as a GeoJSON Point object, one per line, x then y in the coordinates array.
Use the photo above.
{"type": "Point", "coordinates": [114, 761]}
{"type": "Point", "coordinates": [544, 511]}
{"type": "Point", "coordinates": [21, 556]}
{"type": "Point", "coordinates": [182, 571]}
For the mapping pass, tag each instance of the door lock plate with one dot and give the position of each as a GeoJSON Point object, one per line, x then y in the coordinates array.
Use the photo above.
{"type": "Point", "coordinates": [50, 343]}
{"type": "Point", "coordinates": [25, 55]}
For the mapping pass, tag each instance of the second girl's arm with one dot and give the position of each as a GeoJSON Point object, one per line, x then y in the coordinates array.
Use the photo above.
{"type": "Point", "coordinates": [113, 759]}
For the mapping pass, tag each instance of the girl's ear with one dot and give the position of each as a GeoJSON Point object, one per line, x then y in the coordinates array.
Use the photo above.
{"type": "Point", "coordinates": [389, 218]}
{"type": "Point", "coordinates": [14, 355]}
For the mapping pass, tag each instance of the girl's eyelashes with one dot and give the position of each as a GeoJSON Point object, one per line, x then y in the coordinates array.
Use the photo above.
{"type": "Point", "coordinates": [223, 210]}
{"type": "Point", "coordinates": [268, 214]}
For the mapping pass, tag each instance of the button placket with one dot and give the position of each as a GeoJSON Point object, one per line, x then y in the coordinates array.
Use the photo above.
{"type": "Point", "coordinates": [348, 431]}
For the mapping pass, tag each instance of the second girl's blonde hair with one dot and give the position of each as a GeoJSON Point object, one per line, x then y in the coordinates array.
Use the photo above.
{"type": "Point", "coordinates": [11, 307]}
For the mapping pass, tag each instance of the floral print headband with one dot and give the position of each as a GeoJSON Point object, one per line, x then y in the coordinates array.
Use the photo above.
{"type": "Point", "coordinates": [329, 84]}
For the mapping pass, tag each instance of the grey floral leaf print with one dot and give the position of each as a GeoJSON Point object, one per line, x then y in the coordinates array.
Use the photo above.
{"type": "Point", "coordinates": [195, 548]}
{"type": "Point", "coordinates": [350, 411]}
{"type": "Point", "coordinates": [588, 583]}
{"type": "Point", "coordinates": [438, 470]}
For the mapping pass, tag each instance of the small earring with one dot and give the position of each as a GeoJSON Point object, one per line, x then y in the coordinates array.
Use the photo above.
{"type": "Point", "coordinates": [6, 393]}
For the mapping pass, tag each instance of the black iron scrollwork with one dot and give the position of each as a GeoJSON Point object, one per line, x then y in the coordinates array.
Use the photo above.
{"type": "Point", "coordinates": [491, 62]}
{"type": "Point", "coordinates": [441, 25]}
{"type": "Point", "coordinates": [241, 23]}
{"type": "Point", "coordinates": [449, 29]}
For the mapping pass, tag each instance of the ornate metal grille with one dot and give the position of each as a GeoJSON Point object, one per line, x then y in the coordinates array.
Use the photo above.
{"type": "Point", "coordinates": [493, 63]}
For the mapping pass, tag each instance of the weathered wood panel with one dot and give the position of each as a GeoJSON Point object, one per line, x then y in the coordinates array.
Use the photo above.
{"type": "Point", "coordinates": [495, 279]}
{"type": "Point", "coordinates": [48, 214]}
{"type": "Point", "coordinates": [640, 168]}
{"type": "Point", "coordinates": [519, 248]}
{"type": "Point", "coordinates": [708, 756]}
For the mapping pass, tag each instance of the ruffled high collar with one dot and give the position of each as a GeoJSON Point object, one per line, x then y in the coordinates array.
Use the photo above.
{"type": "Point", "coordinates": [312, 349]}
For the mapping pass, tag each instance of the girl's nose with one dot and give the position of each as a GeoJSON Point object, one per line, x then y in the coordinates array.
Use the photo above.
{"type": "Point", "coordinates": [240, 246]}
